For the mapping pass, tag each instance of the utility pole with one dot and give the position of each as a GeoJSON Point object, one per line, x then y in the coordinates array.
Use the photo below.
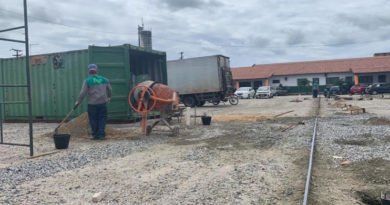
{"type": "Point", "coordinates": [18, 52]}
{"type": "Point", "coordinates": [181, 55]}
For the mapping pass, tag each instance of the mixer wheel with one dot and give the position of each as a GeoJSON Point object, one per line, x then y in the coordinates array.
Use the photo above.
{"type": "Point", "coordinates": [149, 130]}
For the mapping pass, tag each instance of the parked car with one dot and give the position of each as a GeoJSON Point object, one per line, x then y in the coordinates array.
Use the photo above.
{"type": "Point", "coordinates": [378, 88]}
{"type": "Point", "coordinates": [358, 89]}
{"type": "Point", "coordinates": [265, 92]}
{"type": "Point", "coordinates": [245, 92]}
{"type": "Point", "coordinates": [280, 91]}
{"type": "Point", "coordinates": [370, 86]}
{"type": "Point", "coordinates": [335, 90]}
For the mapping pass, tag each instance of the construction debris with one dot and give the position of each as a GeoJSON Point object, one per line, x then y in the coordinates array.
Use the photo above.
{"type": "Point", "coordinates": [278, 115]}
{"type": "Point", "coordinates": [296, 100]}
{"type": "Point", "coordinates": [346, 162]}
{"type": "Point", "coordinates": [247, 117]}
{"type": "Point", "coordinates": [97, 197]}
{"type": "Point", "coordinates": [347, 98]}
{"type": "Point", "coordinates": [293, 125]}
{"type": "Point", "coordinates": [240, 118]}
{"type": "Point", "coordinates": [356, 109]}
{"type": "Point", "coordinates": [345, 107]}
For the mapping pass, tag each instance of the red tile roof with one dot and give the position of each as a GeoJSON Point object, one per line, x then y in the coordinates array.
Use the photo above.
{"type": "Point", "coordinates": [355, 65]}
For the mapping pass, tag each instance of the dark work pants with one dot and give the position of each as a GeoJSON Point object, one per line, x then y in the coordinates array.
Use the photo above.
{"type": "Point", "coordinates": [97, 115]}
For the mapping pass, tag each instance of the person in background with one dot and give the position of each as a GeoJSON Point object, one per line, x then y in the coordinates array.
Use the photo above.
{"type": "Point", "coordinates": [99, 93]}
{"type": "Point", "coordinates": [315, 90]}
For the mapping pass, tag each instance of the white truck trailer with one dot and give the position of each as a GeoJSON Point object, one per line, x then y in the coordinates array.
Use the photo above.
{"type": "Point", "coordinates": [202, 79]}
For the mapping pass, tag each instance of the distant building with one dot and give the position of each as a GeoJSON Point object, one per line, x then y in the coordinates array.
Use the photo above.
{"type": "Point", "coordinates": [144, 38]}
{"type": "Point", "coordinates": [367, 70]}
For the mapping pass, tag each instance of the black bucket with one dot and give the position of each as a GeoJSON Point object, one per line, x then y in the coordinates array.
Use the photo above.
{"type": "Point", "coordinates": [385, 198]}
{"type": "Point", "coordinates": [61, 141]}
{"type": "Point", "coordinates": [206, 120]}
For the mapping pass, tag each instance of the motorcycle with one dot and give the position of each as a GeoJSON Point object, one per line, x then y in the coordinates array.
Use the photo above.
{"type": "Point", "coordinates": [232, 98]}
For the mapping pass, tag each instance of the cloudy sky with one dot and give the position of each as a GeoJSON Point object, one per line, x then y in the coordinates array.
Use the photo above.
{"type": "Point", "coordinates": [248, 31]}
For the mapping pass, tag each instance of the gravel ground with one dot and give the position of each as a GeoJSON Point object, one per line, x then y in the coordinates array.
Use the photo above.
{"type": "Point", "coordinates": [225, 163]}
{"type": "Point", "coordinates": [352, 155]}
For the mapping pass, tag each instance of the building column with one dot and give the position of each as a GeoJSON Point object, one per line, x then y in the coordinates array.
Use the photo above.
{"type": "Point", "coordinates": [237, 84]}
{"type": "Point", "coordinates": [356, 79]}
{"type": "Point", "coordinates": [266, 82]}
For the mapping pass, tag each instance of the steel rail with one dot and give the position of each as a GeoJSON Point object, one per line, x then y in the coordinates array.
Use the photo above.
{"type": "Point", "coordinates": [311, 158]}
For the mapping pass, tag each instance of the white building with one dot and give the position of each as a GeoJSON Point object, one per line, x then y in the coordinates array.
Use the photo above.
{"type": "Point", "coordinates": [325, 72]}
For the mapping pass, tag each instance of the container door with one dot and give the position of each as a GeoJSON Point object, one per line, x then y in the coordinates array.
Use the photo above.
{"type": "Point", "coordinates": [113, 63]}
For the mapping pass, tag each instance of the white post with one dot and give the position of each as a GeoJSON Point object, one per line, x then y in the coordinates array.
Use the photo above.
{"type": "Point", "coordinates": [188, 116]}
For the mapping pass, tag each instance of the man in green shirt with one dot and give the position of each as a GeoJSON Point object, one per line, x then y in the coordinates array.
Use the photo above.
{"type": "Point", "coordinates": [99, 92]}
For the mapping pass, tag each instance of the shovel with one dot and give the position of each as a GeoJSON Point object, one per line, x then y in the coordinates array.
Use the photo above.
{"type": "Point", "coordinates": [66, 117]}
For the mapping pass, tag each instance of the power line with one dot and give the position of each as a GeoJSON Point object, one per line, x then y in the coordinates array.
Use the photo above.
{"type": "Point", "coordinates": [196, 42]}
{"type": "Point", "coordinates": [18, 52]}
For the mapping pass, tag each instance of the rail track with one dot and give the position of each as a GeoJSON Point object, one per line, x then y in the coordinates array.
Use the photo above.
{"type": "Point", "coordinates": [311, 157]}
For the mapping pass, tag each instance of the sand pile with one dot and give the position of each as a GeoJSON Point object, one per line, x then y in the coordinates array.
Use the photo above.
{"type": "Point", "coordinates": [378, 121]}
{"type": "Point", "coordinates": [79, 128]}
{"type": "Point", "coordinates": [240, 118]}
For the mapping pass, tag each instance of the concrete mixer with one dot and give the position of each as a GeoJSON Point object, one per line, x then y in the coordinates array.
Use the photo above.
{"type": "Point", "coordinates": [151, 96]}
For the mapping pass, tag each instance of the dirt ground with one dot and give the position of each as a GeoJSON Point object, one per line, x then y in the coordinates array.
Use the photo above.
{"type": "Point", "coordinates": [246, 156]}
{"type": "Point", "coordinates": [353, 160]}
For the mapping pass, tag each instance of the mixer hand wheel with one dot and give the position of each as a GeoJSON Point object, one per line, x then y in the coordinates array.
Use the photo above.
{"type": "Point", "coordinates": [141, 99]}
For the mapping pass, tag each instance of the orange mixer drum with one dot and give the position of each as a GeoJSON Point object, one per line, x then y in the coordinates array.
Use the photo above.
{"type": "Point", "coordinates": [166, 98]}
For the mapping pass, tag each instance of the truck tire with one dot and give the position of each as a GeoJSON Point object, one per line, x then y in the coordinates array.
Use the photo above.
{"type": "Point", "coordinates": [200, 103]}
{"type": "Point", "coordinates": [216, 102]}
{"type": "Point", "coordinates": [189, 101]}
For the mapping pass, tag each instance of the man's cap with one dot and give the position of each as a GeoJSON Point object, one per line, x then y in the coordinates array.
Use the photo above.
{"type": "Point", "coordinates": [92, 67]}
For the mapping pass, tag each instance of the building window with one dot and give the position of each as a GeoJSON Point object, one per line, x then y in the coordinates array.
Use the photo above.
{"type": "Point", "coordinates": [316, 81]}
{"type": "Point", "coordinates": [275, 81]}
{"type": "Point", "coordinates": [368, 79]}
{"type": "Point", "coordinates": [382, 78]}
{"type": "Point", "coordinates": [332, 81]}
{"type": "Point", "coordinates": [303, 82]}
{"type": "Point", "coordinates": [245, 84]}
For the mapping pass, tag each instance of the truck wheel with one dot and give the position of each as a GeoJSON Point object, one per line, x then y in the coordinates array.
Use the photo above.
{"type": "Point", "coordinates": [200, 103]}
{"type": "Point", "coordinates": [216, 102]}
{"type": "Point", "coordinates": [189, 101]}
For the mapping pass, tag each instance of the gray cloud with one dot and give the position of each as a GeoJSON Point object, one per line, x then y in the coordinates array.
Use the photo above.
{"type": "Point", "coordinates": [260, 42]}
{"type": "Point", "coordinates": [266, 31]}
{"type": "Point", "coordinates": [367, 22]}
{"type": "Point", "coordinates": [295, 38]}
{"type": "Point", "coordinates": [180, 4]}
{"type": "Point", "coordinates": [341, 41]}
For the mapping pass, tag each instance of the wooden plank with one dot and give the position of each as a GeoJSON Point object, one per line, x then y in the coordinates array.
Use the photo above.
{"type": "Point", "coordinates": [44, 154]}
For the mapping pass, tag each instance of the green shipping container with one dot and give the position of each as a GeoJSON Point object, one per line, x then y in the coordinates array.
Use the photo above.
{"type": "Point", "coordinates": [56, 80]}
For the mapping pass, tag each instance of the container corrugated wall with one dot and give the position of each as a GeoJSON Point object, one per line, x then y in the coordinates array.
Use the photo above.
{"type": "Point", "coordinates": [57, 78]}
